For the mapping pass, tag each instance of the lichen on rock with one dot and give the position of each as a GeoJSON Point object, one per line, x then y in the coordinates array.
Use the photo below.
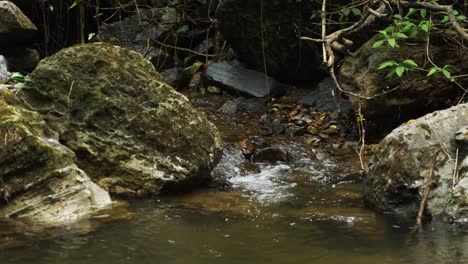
{"type": "Point", "coordinates": [399, 169]}
{"type": "Point", "coordinates": [132, 133]}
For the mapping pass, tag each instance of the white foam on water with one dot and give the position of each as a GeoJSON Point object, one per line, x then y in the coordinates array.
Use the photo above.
{"type": "Point", "coordinates": [267, 185]}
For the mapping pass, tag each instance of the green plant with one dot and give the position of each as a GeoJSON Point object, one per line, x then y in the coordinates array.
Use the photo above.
{"type": "Point", "coordinates": [91, 36]}
{"type": "Point", "coordinates": [17, 77]}
{"type": "Point", "coordinates": [174, 3]}
{"type": "Point", "coordinates": [398, 68]}
{"type": "Point", "coordinates": [183, 29]}
{"type": "Point", "coordinates": [444, 70]}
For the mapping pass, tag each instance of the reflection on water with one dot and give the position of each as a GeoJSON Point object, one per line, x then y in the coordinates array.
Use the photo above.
{"type": "Point", "coordinates": [284, 213]}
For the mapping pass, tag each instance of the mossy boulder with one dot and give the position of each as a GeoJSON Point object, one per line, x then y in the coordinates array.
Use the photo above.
{"type": "Point", "coordinates": [38, 176]}
{"type": "Point", "coordinates": [132, 133]}
{"type": "Point", "coordinates": [395, 100]}
{"type": "Point", "coordinates": [399, 169]}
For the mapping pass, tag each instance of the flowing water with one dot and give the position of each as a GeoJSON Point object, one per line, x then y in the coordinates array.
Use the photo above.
{"type": "Point", "coordinates": [306, 211]}
{"type": "Point", "coordinates": [284, 213]}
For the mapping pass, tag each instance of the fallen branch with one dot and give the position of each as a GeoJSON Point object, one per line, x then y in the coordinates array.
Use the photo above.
{"type": "Point", "coordinates": [427, 188]}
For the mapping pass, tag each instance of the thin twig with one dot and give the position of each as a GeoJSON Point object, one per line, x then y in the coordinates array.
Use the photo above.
{"type": "Point", "coordinates": [427, 188]}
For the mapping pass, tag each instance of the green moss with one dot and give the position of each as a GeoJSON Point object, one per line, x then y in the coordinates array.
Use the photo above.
{"type": "Point", "coordinates": [109, 106]}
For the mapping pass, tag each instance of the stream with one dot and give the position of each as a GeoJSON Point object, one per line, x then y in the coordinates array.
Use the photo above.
{"type": "Point", "coordinates": [307, 210]}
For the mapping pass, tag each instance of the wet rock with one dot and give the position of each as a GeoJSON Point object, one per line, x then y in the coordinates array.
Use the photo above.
{"type": "Point", "coordinates": [332, 129]}
{"type": "Point", "coordinates": [131, 132]}
{"type": "Point", "coordinates": [295, 131]}
{"type": "Point", "coordinates": [176, 77]}
{"type": "Point", "coordinates": [22, 59]}
{"type": "Point", "coordinates": [271, 155]}
{"type": "Point", "coordinates": [251, 105]}
{"type": "Point", "coordinates": [397, 172]}
{"type": "Point", "coordinates": [284, 53]}
{"type": "Point", "coordinates": [136, 33]}
{"type": "Point", "coordinates": [239, 80]}
{"type": "Point", "coordinates": [414, 94]}
{"type": "Point", "coordinates": [325, 97]}
{"type": "Point", "coordinates": [228, 108]}
{"type": "Point", "coordinates": [213, 90]}
{"type": "Point", "coordinates": [15, 27]}
{"type": "Point", "coordinates": [4, 73]}
{"type": "Point", "coordinates": [38, 176]}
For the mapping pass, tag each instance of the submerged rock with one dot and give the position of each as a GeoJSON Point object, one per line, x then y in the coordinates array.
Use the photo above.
{"type": "Point", "coordinates": [15, 27]}
{"type": "Point", "coordinates": [398, 171]}
{"type": "Point", "coordinates": [131, 132]}
{"type": "Point", "coordinates": [38, 176]}
{"type": "Point", "coordinates": [237, 79]}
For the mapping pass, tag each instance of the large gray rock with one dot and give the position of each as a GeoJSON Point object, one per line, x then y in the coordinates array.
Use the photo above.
{"type": "Point", "coordinates": [411, 96]}
{"type": "Point", "coordinates": [287, 58]}
{"type": "Point", "coordinates": [131, 132]}
{"type": "Point", "coordinates": [137, 33]}
{"type": "Point", "coordinates": [38, 176]}
{"type": "Point", "coordinates": [239, 80]}
{"type": "Point", "coordinates": [15, 27]}
{"type": "Point", "coordinates": [398, 171]}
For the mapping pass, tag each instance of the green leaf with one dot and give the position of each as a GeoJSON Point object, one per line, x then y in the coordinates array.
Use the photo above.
{"type": "Point", "coordinates": [423, 13]}
{"type": "Point", "coordinates": [378, 43]}
{"type": "Point", "coordinates": [346, 11]}
{"type": "Point", "coordinates": [399, 70]}
{"type": "Point", "coordinates": [447, 74]}
{"type": "Point", "coordinates": [399, 35]}
{"type": "Point", "coordinates": [392, 42]}
{"type": "Point", "coordinates": [183, 29]}
{"type": "Point", "coordinates": [410, 62]}
{"type": "Point", "coordinates": [397, 16]}
{"type": "Point", "coordinates": [91, 36]}
{"type": "Point", "coordinates": [386, 64]}
{"type": "Point", "coordinates": [433, 70]}
{"type": "Point", "coordinates": [74, 4]}
{"type": "Point", "coordinates": [356, 11]}
{"type": "Point", "coordinates": [424, 27]}
{"type": "Point", "coordinates": [461, 17]}
{"type": "Point", "coordinates": [455, 12]}
{"type": "Point", "coordinates": [383, 32]}
{"type": "Point", "coordinates": [445, 19]}
{"type": "Point", "coordinates": [411, 11]}
{"type": "Point", "coordinates": [17, 77]}
{"type": "Point", "coordinates": [390, 74]}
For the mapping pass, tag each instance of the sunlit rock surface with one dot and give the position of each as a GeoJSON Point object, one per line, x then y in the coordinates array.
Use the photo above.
{"type": "Point", "coordinates": [38, 176]}
{"type": "Point", "coordinates": [399, 169]}
{"type": "Point", "coordinates": [132, 133]}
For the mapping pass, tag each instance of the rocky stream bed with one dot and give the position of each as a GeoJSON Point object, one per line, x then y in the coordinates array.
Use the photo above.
{"type": "Point", "coordinates": [306, 208]}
